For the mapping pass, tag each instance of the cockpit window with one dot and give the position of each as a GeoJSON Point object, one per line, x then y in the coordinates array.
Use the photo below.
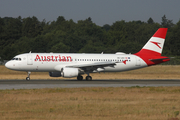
{"type": "Point", "coordinates": [17, 59]}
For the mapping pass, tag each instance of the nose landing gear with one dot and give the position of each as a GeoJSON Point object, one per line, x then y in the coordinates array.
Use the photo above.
{"type": "Point", "coordinates": [28, 78]}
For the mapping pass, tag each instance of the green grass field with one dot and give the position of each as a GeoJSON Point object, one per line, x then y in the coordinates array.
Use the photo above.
{"type": "Point", "coordinates": [130, 103]}
{"type": "Point", "coordinates": [133, 103]}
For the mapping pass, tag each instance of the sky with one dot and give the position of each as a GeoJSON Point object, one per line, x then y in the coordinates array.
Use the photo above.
{"type": "Point", "coordinates": [101, 11]}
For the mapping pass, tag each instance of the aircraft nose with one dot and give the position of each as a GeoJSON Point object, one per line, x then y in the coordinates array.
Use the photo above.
{"type": "Point", "coordinates": [8, 65]}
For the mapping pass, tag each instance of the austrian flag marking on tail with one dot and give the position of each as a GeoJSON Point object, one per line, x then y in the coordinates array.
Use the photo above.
{"type": "Point", "coordinates": [152, 50]}
{"type": "Point", "coordinates": [156, 43]}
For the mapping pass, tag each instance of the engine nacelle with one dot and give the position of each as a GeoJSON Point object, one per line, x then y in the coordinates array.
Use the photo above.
{"type": "Point", "coordinates": [69, 72]}
{"type": "Point", "coordinates": [55, 74]}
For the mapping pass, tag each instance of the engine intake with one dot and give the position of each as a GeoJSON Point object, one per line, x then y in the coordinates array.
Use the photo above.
{"type": "Point", "coordinates": [69, 72]}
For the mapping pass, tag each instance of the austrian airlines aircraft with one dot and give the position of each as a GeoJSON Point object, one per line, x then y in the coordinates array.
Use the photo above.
{"type": "Point", "coordinates": [74, 65]}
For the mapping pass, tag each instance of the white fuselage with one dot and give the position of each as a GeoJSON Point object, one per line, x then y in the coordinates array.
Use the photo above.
{"type": "Point", "coordinates": [48, 62]}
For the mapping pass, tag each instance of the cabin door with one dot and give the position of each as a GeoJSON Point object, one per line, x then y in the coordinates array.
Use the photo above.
{"type": "Point", "coordinates": [29, 60]}
{"type": "Point", "coordinates": [138, 61]}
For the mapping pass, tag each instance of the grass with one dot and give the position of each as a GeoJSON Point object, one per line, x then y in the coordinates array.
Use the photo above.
{"type": "Point", "coordinates": [139, 103]}
{"type": "Point", "coordinates": [153, 72]}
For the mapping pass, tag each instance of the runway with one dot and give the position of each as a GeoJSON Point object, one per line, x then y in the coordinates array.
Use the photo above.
{"type": "Point", "coordinates": [36, 84]}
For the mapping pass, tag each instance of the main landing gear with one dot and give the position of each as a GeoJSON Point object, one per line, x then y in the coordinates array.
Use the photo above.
{"type": "Point", "coordinates": [88, 78]}
{"type": "Point", "coordinates": [79, 77]}
{"type": "Point", "coordinates": [28, 78]}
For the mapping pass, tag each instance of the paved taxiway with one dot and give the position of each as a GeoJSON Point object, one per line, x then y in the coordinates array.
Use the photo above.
{"type": "Point", "coordinates": [33, 84]}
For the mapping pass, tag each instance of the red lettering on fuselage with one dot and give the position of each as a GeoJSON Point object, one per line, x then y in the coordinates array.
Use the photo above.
{"type": "Point", "coordinates": [63, 58]}
{"type": "Point", "coordinates": [56, 57]}
{"type": "Point", "coordinates": [53, 58]}
{"type": "Point", "coordinates": [37, 58]}
{"type": "Point", "coordinates": [68, 58]}
{"type": "Point", "coordinates": [59, 58]}
{"type": "Point", "coordinates": [43, 59]}
{"type": "Point", "coordinates": [48, 58]}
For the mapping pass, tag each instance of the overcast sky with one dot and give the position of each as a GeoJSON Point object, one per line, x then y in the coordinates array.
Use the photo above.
{"type": "Point", "coordinates": [101, 11]}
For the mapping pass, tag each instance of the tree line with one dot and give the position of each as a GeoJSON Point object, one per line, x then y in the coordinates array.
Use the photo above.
{"type": "Point", "coordinates": [22, 35]}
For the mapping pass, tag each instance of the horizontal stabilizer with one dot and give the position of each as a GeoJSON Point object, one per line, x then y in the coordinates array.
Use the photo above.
{"type": "Point", "coordinates": [154, 60]}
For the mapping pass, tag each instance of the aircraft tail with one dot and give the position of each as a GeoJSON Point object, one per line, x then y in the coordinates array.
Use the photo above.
{"type": "Point", "coordinates": [151, 52]}
{"type": "Point", "coordinates": [155, 44]}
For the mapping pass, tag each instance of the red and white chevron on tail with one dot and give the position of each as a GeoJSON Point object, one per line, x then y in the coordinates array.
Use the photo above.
{"type": "Point", "coordinates": [151, 52]}
{"type": "Point", "coordinates": [155, 44]}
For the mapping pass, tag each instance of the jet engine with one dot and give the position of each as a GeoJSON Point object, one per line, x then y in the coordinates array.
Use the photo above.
{"type": "Point", "coordinates": [69, 72]}
{"type": "Point", "coordinates": [55, 74]}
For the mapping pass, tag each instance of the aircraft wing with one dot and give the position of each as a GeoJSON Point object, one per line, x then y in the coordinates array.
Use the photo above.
{"type": "Point", "coordinates": [91, 67]}
{"type": "Point", "coordinates": [99, 64]}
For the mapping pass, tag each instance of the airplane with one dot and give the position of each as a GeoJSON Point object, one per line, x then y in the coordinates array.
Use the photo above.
{"type": "Point", "coordinates": [69, 65]}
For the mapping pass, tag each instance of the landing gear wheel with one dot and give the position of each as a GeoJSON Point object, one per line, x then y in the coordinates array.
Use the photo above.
{"type": "Point", "coordinates": [80, 77]}
{"type": "Point", "coordinates": [28, 78]}
{"type": "Point", "coordinates": [88, 78]}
